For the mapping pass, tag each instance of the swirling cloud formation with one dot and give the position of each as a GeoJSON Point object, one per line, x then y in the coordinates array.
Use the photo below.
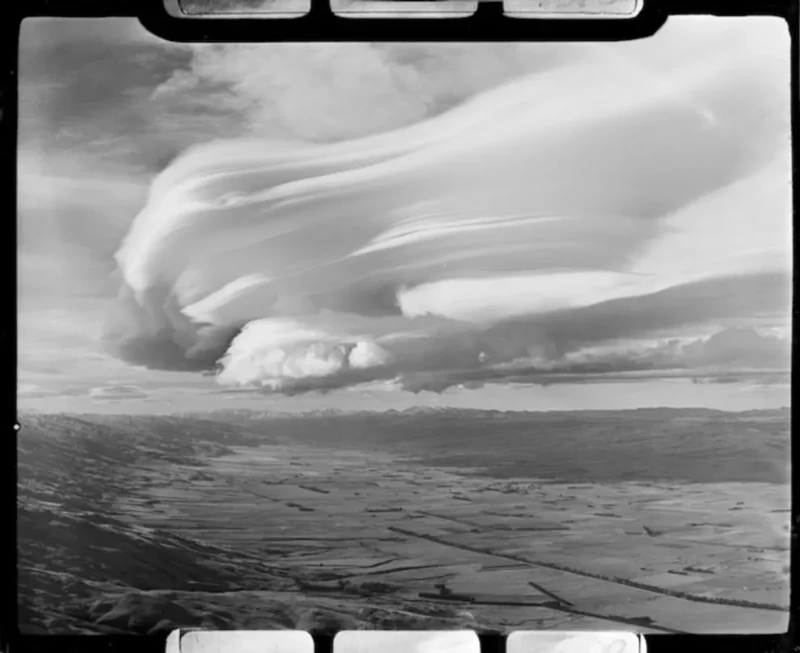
{"type": "Point", "coordinates": [565, 217]}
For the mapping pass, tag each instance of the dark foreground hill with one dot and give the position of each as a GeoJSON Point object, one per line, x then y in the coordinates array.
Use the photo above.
{"type": "Point", "coordinates": [84, 567]}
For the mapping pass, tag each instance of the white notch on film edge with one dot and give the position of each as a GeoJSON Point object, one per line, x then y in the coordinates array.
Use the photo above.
{"type": "Point", "coordinates": [540, 9]}
{"type": "Point", "coordinates": [239, 641]}
{"type": "Point", "coordinates": [271, 9]}
{"type": "Point", "coordinates": [557, 9]}
{"type": "Point", "coordinates": [575, 641]}
{"type": "Point", "coordinates": [407, 641]}
{"type": "Point", "coordinates": [405, 8]}
{"type": "Point", "coordinates": [299, 641]}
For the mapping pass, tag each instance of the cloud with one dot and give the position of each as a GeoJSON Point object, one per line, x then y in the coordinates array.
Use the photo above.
{"type": "Point", "coordinates": [515, 238]}
{"type": "Point", "coordinates": [72, 215]}
{"type": "Point", "coordinates": [365, 355]}
{"type": "Point", "coordinates": [329, 92]}
{"type": "Point", "coordinates": [730, 353]}
{"type": "Point", "coordinates": [738, 347]}
{"type": "Point", "coordinates": [271, 352]}
{"type": "Point", "coordinates": [117, 392]}
{"type": "Point", "coordinates": [424, 215]}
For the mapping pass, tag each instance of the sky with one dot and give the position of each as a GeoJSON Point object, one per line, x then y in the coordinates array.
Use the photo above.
{"type": "Point", "coordinates": [357, 225]}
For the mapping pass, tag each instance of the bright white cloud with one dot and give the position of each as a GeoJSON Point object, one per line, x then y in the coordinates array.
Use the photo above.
{"type": "Point", "coordinates": [272, 352]}
{"type": "Point", "coordinates": [497, 298]}
{"type": "Point", "coordinates": [367, 354]}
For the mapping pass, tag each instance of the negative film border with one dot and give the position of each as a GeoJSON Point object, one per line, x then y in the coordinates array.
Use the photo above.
{"type": "Point", "coordinates": [487, 24]}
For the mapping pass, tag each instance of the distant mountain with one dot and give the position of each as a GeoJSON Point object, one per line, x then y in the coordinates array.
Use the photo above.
{"type": "Point", "coordinates": [482, 413]}
{"type": "Point", "coordinates": [234, 414]}
{"type": "Point", "coordinates": [426, 410]}
{"type": "Point", "coordinates": [657, 413]}
{"type": "Point", "coordinates": [653, 443]}
{"type": "Point", "coordinates": [327, 412]}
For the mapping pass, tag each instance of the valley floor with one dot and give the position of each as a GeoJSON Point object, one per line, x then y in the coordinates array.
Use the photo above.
{"type": "Point", "coordinates": [312, 537]}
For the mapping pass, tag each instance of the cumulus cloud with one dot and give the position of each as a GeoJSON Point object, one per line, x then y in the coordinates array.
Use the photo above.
{"type": "Point", "coordinates": [516, 236]}
{"type": "Point", "coordinates": [72, 217]}
{"type": "Point", "coordinates": [739, 347]}
{"type": "Point", "coordinates": [270, 352]}
{"type": "Point", "coordinates": [734, 353]}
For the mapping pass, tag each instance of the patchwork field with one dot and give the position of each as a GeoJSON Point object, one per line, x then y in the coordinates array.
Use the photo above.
{"type": "Point", "coordinates": [140, 524]}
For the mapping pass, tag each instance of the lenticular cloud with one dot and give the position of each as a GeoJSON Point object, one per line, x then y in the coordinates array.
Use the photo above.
{"type": "Point", "coordinates": [476, 238]}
